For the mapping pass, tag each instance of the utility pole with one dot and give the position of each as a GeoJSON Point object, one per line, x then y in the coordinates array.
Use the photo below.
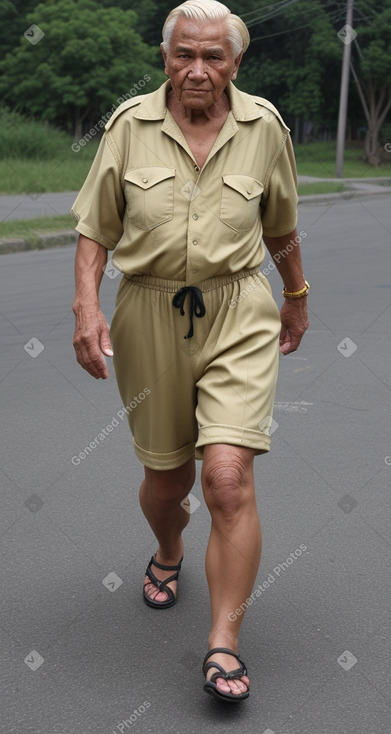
{"type": "Point", "coordinates": [343, 97]}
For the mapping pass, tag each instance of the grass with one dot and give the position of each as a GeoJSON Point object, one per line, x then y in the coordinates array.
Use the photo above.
{"type": "Point", "coordinates": [38, 158]}
{"type": "Point", "coordinates": [65, 173]}
{"type": "Point", "coordinates": [31, 229]}
{"type": "Point", "coordinates": [318, 159]}
{"type": "Point", "coordinates": [320, 187]}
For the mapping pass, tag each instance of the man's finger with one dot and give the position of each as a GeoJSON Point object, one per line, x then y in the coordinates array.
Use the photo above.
{"type": "Point", "coordinates": [105, 343]}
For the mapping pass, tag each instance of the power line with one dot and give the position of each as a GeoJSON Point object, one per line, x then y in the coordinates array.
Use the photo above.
{"type": "Point", "coordinates": [336, 16]}
{"type": "Point", "coordinates": [271, 12]}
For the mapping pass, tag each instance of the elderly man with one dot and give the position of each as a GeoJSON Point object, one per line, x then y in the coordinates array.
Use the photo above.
{"type": "Point", "coordinates": [186, 182]}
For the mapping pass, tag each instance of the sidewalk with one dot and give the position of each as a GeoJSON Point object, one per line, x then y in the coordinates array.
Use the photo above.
{"type": "Point", "coordinates": [30, 206]}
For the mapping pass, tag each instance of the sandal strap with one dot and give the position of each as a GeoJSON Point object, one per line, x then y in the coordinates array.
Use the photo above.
{"type": "Point", "coordinates": [161, 585]}
{"type": "Point", "coordinates": [228, 652]}
{"type": "Point", "coordinates": [163, 566]}
{"type": "Point", "coordinates": [232, 675]}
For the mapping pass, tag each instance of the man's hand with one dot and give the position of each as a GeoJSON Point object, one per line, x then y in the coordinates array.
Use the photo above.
{"type": "Point", "coordinates": [294, 320]}
{"type": "Point", "coordinates": [92, 340]}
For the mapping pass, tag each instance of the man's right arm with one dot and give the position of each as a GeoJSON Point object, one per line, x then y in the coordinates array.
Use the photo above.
{"type": "Point", "coordinates": [91, 339]}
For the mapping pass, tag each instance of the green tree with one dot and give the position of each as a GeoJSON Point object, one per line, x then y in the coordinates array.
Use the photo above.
{"type": "Point", "coordinates": [371, 68]}
{"type": "Point", "coordinates": [13, 22]}
{"type": "Point", "coordinates": [293, 60]}
{"type": "Point", "coordinates": [87, 59]}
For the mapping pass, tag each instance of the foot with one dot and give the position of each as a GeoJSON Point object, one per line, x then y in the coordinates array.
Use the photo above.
{"type": "Point", "coordinates": [229, 663]}
{"type": "Point", "coordinates": [153, 591]}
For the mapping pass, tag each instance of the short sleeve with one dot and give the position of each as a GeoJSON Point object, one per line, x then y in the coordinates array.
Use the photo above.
{"type": "Point", "coordinates": [279, 206]}
{"type": "Point", "coordinates": [100, 205]}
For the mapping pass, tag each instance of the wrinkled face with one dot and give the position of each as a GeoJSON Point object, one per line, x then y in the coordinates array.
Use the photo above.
{"type": "Point", "coordinates": [200, 62]}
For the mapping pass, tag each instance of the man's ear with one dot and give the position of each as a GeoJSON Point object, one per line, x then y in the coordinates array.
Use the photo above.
{"type": "Point", "coordinates": [236, 67]}
{"type": "Point", "coordinates": [164, 54]}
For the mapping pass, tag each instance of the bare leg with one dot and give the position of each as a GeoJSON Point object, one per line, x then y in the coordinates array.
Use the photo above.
{"type": "Point", "coordinates": [161, 493]}
{"type": "Point", "coordinates": [234, 548]}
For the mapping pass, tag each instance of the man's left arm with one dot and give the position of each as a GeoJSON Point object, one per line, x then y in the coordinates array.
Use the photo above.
{"type": "Point", "coordinates": [294, 316]}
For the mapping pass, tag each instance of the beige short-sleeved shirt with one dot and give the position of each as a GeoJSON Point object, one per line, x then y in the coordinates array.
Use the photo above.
{"type": "Point", "coordinates": [146, 198]}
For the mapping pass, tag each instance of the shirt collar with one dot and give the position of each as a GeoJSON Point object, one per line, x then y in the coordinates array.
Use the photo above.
{"type": "Point", "coordinates": [154, 105]}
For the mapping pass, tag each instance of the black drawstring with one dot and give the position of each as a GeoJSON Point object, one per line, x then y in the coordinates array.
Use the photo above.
{"type": "Point", "coordinates": [197, 306]}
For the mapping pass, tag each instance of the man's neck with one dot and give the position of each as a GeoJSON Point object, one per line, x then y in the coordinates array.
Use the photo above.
{"type": "Point", "coordinates": [217, 112]}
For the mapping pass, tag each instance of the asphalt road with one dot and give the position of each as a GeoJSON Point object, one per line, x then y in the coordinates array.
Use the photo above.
{"type": "Point", "coordinates": [81, 653]}
{"type": "Point", "coordinates": [29, 206]}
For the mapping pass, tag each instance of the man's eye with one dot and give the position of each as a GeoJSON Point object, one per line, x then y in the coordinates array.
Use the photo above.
{"type": "Point", "coordinates": [183, 56]}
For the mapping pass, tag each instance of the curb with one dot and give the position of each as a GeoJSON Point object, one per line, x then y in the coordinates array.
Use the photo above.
{"type": "Point", "coordinates": [64, 238]}
{"type": "Point", "coordinates": [341, 196]}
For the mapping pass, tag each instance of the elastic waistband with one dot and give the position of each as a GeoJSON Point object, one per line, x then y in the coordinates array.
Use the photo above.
{"type": "Point", "coordinates": [172, 286]}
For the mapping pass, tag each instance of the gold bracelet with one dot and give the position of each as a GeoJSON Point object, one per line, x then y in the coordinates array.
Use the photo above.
{"type": "Point", "coordinates": [298, 294]}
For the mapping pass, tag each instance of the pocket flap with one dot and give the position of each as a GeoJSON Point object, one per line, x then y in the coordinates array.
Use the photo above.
{"type": "Point", "coordinates": [246, 185]}
{"type": "Point", "coordinates": [149, 176]}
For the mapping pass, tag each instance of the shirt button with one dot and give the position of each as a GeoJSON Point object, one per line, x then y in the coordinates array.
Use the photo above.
{"type": "Point", "coordinates": [196, 168]}
{"type": "Point", "coordinates": [195, 216]}
{"type": "Point", "coordinates": [195, 242]}
{"type": "Point", "coordinates": [145, 180]}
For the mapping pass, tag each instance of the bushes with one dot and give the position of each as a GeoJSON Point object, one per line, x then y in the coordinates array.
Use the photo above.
{"type": "Point", "coordinates": [30, 139]}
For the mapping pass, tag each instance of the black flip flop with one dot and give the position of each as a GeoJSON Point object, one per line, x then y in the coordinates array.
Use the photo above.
{"type": "Point", "coordinates": [162, 585]}
{"type": "Point", "coordinates": [210, 685]}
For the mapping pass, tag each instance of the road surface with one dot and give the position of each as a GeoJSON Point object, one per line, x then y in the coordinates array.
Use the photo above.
{"type": "Point", "coordinates": [80, 650]}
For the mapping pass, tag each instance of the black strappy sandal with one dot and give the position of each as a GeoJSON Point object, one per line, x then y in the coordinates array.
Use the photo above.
{"type": "Point", "coordinates": [161, 585]}
{"type": "Point", "coordinates": [210, 685]}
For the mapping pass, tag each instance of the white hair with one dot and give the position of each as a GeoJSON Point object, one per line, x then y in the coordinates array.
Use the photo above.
{"type": "Point", "coordinates": [209, 10]}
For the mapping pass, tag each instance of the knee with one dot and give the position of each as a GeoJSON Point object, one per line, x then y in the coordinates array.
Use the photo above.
{"type": "Point", "coordinates": [167, 491]}
{"type": "Point", "coordinates": [224, 487]}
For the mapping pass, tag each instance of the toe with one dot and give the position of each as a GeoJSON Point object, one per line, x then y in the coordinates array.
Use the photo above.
{"type": "Point", "coordinates": [153, 592]}
{"type": "Point", "coordinates": [223, 685]}
{"type": "Point", "coordinates": [239, 685]}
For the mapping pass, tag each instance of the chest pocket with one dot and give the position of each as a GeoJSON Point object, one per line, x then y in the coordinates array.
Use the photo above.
{"type": "Point", "coordinates": [149, 194]}
{"type": "Point", "coordinates": [240, 201]}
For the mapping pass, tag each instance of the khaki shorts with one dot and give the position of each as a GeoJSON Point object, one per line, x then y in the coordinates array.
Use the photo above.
{"type": "Point", "coordinates": [216, 387]}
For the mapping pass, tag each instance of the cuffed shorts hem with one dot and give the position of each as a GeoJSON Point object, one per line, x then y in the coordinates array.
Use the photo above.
{"type": "Point", "coordinates": [166, 461]}
{"type": "Point", "coordinates": [235, 436]}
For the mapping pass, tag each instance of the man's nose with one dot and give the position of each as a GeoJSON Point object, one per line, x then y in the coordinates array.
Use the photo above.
{"type": "Point", "coordinates": [197, 70]}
